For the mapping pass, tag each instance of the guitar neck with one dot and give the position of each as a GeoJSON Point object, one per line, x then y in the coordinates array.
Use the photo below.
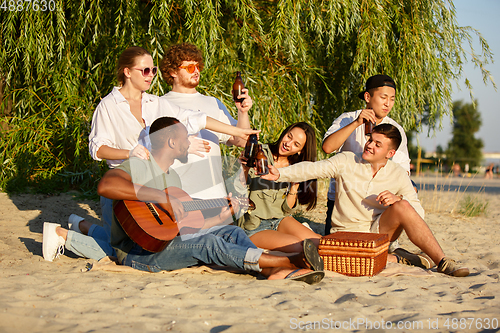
{"type": "Point", "coordinates": [193, 205]}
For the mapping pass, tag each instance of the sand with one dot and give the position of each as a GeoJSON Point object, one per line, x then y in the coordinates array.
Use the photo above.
{"type": "Point", "coordinates": [40, 296]}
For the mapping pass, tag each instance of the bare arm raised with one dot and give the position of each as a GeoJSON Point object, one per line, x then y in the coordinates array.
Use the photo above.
{"type": "Point", "coordinates": [243, 118]}
{"type": "Point", "coordinates": [335, 140]}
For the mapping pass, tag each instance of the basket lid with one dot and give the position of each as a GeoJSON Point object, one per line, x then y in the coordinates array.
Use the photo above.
{"type": "Point", "coordinates": [355, 239]}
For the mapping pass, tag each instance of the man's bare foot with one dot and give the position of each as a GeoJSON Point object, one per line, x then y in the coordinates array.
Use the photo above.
{"type": "Point", "coordinates": [392, 258]}
{"type": "Point", "coordinates": [62, 232]}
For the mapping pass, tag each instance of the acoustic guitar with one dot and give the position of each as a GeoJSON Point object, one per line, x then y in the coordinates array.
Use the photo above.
{"type": "Point", "coordinates": [153, 228]}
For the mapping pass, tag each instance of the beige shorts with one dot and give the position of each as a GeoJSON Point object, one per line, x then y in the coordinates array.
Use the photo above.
{"type": "Point", "coordinates": [375, 225]}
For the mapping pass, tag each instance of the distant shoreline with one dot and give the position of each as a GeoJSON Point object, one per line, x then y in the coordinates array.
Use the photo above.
{"type": "Point", "coordinates": [473, 184]}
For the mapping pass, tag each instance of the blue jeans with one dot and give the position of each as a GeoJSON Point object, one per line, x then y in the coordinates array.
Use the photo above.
{"type": "Point", "coordinates": [97, 244]}
{"type": "Point", "coordinates": [89, 247]}
{"type": "Point", "coordinates": [107, 218]}
{"type": "Point", "coordinates": [223, 246]}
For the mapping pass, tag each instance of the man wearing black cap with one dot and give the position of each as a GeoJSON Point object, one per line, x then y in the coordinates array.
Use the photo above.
{"type": "Point", "coordinates": [347, 132]}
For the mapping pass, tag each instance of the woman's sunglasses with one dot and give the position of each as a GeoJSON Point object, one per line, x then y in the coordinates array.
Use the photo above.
{"type": "Point", "coordinates": [191, 67]}
{"type": "Point", "coordinates": [147, 70]}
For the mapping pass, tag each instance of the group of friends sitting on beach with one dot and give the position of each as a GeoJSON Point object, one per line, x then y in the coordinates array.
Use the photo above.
{"type": "Point", "coordinates": [164, 152]}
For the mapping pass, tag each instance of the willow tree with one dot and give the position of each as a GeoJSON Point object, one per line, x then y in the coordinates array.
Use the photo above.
{"type": "Point", "coordinates": [301, 59]}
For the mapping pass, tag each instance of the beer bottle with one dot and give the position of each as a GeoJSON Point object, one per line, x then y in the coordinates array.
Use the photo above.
{"type": "Point", "coordinates": [251, 149]}
{"type": "Point", "coordinates": [261, 161]}
{"type": "Point", "coordinates": [368, 127]}
{"type": "Point", "coordinates": [237, 87]}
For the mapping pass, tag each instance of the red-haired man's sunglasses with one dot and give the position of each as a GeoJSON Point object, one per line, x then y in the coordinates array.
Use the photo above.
{"type": "Point", "coordinates": [190, 68]}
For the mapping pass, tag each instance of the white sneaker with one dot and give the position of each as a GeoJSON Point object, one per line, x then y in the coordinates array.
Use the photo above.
{"type": "Point", "coordinates": [53, 244]}
{"type": "Point", "coordinates": [74, 222]}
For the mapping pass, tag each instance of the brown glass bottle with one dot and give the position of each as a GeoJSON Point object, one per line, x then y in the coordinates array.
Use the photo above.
{"type": "Point", "coordinates": [368, 127]}
{"type": "Point", "coordinates": [237, 87]}
{"type": "Point", "coordinates": [251, 150]}
{"type": "Point", "coordinates": [261, 162]}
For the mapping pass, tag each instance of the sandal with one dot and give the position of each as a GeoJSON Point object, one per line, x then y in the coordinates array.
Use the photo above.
{"type": "Point", "coordinates": [312, 257]}
{"type": "Point", "coordinates": [309, 278]}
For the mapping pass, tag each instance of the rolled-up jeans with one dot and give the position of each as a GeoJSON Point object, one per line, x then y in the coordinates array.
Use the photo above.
{"type": "Point", "coordinates": [223, 246]}
{"type": "Point", "coordinates": [97, 244]}
{"type": "Point", "coordinates": [89, 247]}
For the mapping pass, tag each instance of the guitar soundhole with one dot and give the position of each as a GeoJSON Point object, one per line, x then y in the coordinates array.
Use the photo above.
{"type": "Point", "coordinates": [153, 211]}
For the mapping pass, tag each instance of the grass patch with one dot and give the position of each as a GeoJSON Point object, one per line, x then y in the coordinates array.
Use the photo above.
{"type": "Point", "coordinates": [452, 196]}
{"type": "Point", "coordinates": [473, 205]}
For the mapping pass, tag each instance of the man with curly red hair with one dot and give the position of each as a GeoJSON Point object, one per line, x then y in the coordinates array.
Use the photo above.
{"type": "Point", "coordinates": [181, 68]}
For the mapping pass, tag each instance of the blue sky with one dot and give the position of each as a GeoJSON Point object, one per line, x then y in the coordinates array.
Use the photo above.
{"type": "Point", "coordinates": [483, 15]}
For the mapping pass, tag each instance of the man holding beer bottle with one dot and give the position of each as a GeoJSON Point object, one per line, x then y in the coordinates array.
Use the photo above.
{"type": "Point", "coordinates": [181, 68]}
{"type": "Point", "coordinates": [351, 130]}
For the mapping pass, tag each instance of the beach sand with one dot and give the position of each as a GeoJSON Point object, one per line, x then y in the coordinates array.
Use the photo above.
{"type": "Point", "coordinates": [41, 296]}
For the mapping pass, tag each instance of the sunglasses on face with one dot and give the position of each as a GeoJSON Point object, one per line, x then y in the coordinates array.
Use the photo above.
{"type": "Point", "coordinates": [147, 70]}
{"type": "Point", "coordinates": [191, 68]}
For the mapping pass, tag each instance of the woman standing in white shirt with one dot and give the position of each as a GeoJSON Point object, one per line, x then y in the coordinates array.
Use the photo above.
{"type": "Point", "coordinates": [118, 123]}
{"type": "Point", "coordinates": [120, 120]}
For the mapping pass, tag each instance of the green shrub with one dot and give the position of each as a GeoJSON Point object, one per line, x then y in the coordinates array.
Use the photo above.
{"type": "Point", "coordinates": [473, 205]}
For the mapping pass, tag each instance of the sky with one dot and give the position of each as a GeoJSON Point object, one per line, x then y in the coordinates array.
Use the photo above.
{"type": "Point", "coordinates": [482, 15]}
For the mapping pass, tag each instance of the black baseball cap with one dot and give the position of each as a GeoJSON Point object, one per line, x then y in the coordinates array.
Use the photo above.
{"type": "Point", "coordinates": [379, 80]}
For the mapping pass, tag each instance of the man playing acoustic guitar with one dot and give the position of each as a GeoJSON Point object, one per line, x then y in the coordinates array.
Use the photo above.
{"type": "Point", "coordinates": [223, 245]}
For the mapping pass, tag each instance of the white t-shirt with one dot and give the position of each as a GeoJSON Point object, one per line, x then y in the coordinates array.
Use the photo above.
{"type": "Point", "coordinates": [357, 140]}
{"type": "Point", "coordinates": [115, 126]}
{"type": "Point", "coordinates": [202, 176]}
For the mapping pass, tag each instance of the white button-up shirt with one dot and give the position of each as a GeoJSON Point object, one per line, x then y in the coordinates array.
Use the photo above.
{"type": "Point", "coordinates": [115, 126]}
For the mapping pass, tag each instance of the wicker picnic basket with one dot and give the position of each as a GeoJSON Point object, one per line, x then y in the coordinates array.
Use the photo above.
{"type": "Point", "coordinates": [354, 253]}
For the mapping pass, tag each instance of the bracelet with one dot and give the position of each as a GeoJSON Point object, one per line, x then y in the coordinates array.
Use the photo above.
{"type": "Point", "coordinates": [287, 192]}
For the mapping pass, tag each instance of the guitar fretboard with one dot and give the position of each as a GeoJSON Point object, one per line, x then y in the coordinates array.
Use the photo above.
{"type": "Point", "coordinates": [204, 204]}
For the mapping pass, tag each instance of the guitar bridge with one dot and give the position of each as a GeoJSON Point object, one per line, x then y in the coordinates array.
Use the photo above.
{"type": "Point", "coordinates": [153, 211]}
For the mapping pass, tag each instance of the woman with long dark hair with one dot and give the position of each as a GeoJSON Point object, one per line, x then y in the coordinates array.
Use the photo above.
{"type": "Point", "coordinates": [271, 225]}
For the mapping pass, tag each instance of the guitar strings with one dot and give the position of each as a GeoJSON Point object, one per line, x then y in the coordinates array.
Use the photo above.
{"type": "Point", "coordinates": [204, 204]}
